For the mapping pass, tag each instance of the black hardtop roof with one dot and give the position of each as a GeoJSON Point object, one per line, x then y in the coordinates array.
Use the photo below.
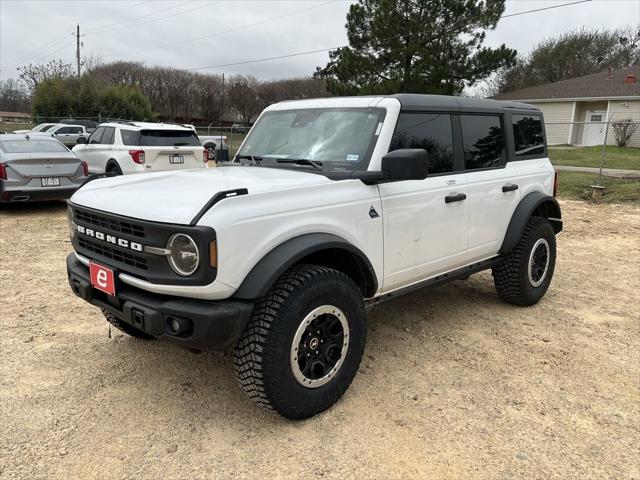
{"type": "Point", "coordinates": [415, 101]}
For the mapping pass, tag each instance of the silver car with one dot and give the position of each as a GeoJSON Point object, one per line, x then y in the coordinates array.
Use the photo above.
{"type": "Point", "coordinates": [67, 134]}
{"type": "Point", "coordinates": [36, 167]}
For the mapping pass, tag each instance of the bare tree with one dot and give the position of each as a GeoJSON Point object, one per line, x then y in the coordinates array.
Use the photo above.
{"type": "Point", "coordinates": [13, 97]}
{"type": "Point", "coordinates": [623, 131]}
{"type": "Point", "coordinates": [35, 73]}
{"type": "Point", "coordinates": [243, 97]}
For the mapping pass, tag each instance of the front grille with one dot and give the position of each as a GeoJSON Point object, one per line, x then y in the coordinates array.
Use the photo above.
{"type": "Point", "coordinates": [153, 268]}
{"type": "Point", "coordinates": [119, 226]}
{"type": "Point", "coordinates": [113, 254]}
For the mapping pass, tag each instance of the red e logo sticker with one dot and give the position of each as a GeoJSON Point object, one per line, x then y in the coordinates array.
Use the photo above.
{"type": "Point", "coordinates": [102, 278]}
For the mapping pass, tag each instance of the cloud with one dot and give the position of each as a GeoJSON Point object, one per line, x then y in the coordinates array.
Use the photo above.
{"type": "Point", "coordinates": [116, 30]}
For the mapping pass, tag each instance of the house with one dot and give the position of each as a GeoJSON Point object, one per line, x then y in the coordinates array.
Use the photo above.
{"type": "Point", "coordinates": [576, 110]}
{"type": "Point", "coordinates": [15, 117]}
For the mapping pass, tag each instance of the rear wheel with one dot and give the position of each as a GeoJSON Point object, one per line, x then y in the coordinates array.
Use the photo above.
{"type": "Point", "coordinates": [211, 151]}
{"type": "Point", "coordinates": [114, 168]}
{"type": "Point", "coordinates": [304, 342]}
{"type": "Point", "coordinates": [523, 276]}
{"type": "Point", "coordinates": [125, 327]}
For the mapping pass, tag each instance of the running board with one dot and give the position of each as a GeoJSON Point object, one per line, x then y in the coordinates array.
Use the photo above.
{"type": "Point", "coordinates": [458, 274]}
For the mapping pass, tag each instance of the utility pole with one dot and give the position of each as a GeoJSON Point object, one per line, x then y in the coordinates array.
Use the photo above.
{"type": "Point", "coordinates": [78, 45]}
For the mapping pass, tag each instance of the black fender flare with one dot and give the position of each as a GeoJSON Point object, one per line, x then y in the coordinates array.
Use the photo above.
{"type": "Point", "coordinates": [267, 271]}
{"type": "Point", "coordinates": [534, 203]}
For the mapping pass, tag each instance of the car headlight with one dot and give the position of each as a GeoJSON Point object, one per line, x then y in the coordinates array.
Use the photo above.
{"type": "Point", "coordinates": [72, 226]}
{"type": "Point", "coordinates": [183, 256]}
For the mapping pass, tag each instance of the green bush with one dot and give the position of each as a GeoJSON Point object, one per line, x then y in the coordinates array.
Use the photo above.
{"type": "Point", "coordinates": [73, 97]}
{"type": "Point", "coordinates": [122, 101]}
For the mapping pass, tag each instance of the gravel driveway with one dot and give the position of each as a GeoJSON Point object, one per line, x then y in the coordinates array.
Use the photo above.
{"type": "Point", "coordinates": [455, 384]}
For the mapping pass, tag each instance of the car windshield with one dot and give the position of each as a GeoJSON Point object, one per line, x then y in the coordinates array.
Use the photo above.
{"type": "Point", "coordinates": [327, 138]}
{"type": "Point", "coordinates": [43, 127]}
{"type": "Point", "coordinates": [31, 146]}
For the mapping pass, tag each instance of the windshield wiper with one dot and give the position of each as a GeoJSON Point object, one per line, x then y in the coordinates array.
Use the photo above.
{"type": "Point", "coordinates": [301, 161]}
{"type": "Point", "coordinates": [256, 160]}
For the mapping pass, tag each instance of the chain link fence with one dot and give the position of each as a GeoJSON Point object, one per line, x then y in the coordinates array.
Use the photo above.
{"type": "Point", "coordinates": [227, 139]}
{"type": "Point", "coordinates": [605, 144]}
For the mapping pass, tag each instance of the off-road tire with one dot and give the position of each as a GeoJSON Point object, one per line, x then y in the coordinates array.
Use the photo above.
{"type": "Point", "coordinates": [125, 327]}
{"type": "Point", "coordinates": [511, 274]}
{"type": "Point", "coordinates": [262, 354]}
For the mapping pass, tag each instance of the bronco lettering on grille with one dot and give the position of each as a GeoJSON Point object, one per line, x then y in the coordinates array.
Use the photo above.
{"type": "Point", "coordinates": [120, 242]}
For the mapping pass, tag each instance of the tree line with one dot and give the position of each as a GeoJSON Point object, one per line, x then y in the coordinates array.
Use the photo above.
{"type": "Point", "coordinates": [410, 46]}
{"type": "Point", "coordinates": [133, 90]}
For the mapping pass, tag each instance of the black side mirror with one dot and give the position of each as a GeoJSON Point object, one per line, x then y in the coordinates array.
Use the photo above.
{"type": "Point", "coordinates": [81, 140]}
{"type": "Point", "coordinates": [406, 164]}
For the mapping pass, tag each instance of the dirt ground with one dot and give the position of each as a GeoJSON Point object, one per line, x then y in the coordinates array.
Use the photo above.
{"type": "Point", "coordinates": [455, 384]}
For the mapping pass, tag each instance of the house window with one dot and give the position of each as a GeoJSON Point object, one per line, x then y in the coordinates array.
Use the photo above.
{"type": "Point", "coordinates": [527, 133]}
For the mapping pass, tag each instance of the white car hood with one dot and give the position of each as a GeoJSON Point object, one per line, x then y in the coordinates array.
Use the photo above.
{"type": "Point", "coordinates": [176, 197]}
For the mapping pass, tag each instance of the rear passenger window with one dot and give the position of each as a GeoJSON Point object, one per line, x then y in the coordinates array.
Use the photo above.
{"type": "Point", "coordinates": [130, 137]}
{"type": "Point", "coordinates": [431, 131]}
{"type": "Point", "coordinates": [483, 140]}
{"type": "Point", "coordinates": [107, 137]}
{"type": "Point", "coordinates": [527, 133]}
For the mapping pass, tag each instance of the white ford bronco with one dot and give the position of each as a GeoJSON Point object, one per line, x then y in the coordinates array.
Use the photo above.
{"type": "Point", "coordinates": [329, 207]}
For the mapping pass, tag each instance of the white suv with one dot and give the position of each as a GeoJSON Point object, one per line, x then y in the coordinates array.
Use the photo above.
{"type": "Point", "coordinates": [331, 206]}
{"type": "Point", "coordinates": [133, 147]}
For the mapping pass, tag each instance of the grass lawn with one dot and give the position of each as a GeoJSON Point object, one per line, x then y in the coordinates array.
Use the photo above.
{"type": "Point", "coordinates": [615, 157]}
{"type": "Point", "coordinates": [576, 186]}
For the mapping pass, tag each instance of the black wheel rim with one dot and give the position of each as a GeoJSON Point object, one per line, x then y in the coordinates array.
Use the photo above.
{"type": "Point", "coordinates": [319, 346]}
{"type": "Point", "coordinates": [539, 262]}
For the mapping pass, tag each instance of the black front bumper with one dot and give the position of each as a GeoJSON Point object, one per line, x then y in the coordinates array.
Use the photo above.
{"type": "Point", "coordinates": [214, 325]}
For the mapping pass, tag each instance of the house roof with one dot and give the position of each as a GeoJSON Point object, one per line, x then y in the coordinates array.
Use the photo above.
{"type": "Point", "coordinates": [15, 114]}
{"type": "Point", "coordinates": [596, 85]}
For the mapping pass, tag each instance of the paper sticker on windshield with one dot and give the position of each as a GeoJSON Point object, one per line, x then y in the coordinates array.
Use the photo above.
{"type": "Point", "coordinates": [352, 158]}
{"type": "Point", "coordinates": [378, 129]}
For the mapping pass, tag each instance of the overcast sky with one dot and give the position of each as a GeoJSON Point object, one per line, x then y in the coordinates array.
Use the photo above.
{"type": "Point", "coordinates": [240, 30]}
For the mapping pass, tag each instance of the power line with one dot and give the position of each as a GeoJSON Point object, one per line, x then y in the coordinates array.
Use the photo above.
{"type": "Point", "coordinates": [100, 30]}
{"type": "Point", "coordinates": [92, 20]}
{"type": "Point", "coordinates": [309, 52]}
{"type": "Point", "coordinates": [546, 8]}
{"type": "Point", "coordinates": [262, 22]}
{"type": "Point", "coordinates": [44, 47]}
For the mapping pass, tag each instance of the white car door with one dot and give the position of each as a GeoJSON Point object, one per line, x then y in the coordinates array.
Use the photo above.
{"type": "Point", "coordinates": [492, 183]}
{"type": "Point", "coordinates": [104, 148]}
{"type": "Point", "coordinates": [425, 221]}
{"type": "Point", "coordinates": [89, 151]}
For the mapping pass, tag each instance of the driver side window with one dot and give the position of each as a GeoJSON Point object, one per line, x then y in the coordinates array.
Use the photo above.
{"type": "Point", "coordinates": [96, 136]}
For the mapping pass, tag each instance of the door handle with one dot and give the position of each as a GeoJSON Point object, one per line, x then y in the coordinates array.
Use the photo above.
{"type": "Point", "coordinates": [510, 187]}
{"type": "Point", "coordinates": [458, 197]}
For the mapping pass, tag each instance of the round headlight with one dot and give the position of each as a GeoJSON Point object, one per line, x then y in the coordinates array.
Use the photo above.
{"type": "Point", "coordinates": [183, 256]}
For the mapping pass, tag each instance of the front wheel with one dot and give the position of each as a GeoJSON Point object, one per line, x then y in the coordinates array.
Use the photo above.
{"type": "Point", "coordinates": [523, 276]}
{"type": "Point", "coordinates": [303, 345]}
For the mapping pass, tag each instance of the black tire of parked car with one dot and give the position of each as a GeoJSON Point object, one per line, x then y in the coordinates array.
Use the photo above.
{"type": "Point", "coordinates": [211, 151]}
{"type": "Point", "coordinates": [125, 327]}
{"type": "Point", "coordinates": [114, 168]}
{"type": "Point", "coordinates": [523, 276]}
{"type": "Point", "coordinates": [262, 355]}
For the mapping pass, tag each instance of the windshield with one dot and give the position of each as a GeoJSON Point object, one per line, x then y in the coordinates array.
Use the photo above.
{"type": "Point", "coordinates": [44, 127]}
{"type": "Point", "coordinates": [332, 138]}
{"type": "Point", "coordinates": [31, 146]}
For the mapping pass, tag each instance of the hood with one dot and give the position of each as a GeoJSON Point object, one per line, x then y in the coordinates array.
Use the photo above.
{"type": "Point", "coordinates": [176, 197]}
